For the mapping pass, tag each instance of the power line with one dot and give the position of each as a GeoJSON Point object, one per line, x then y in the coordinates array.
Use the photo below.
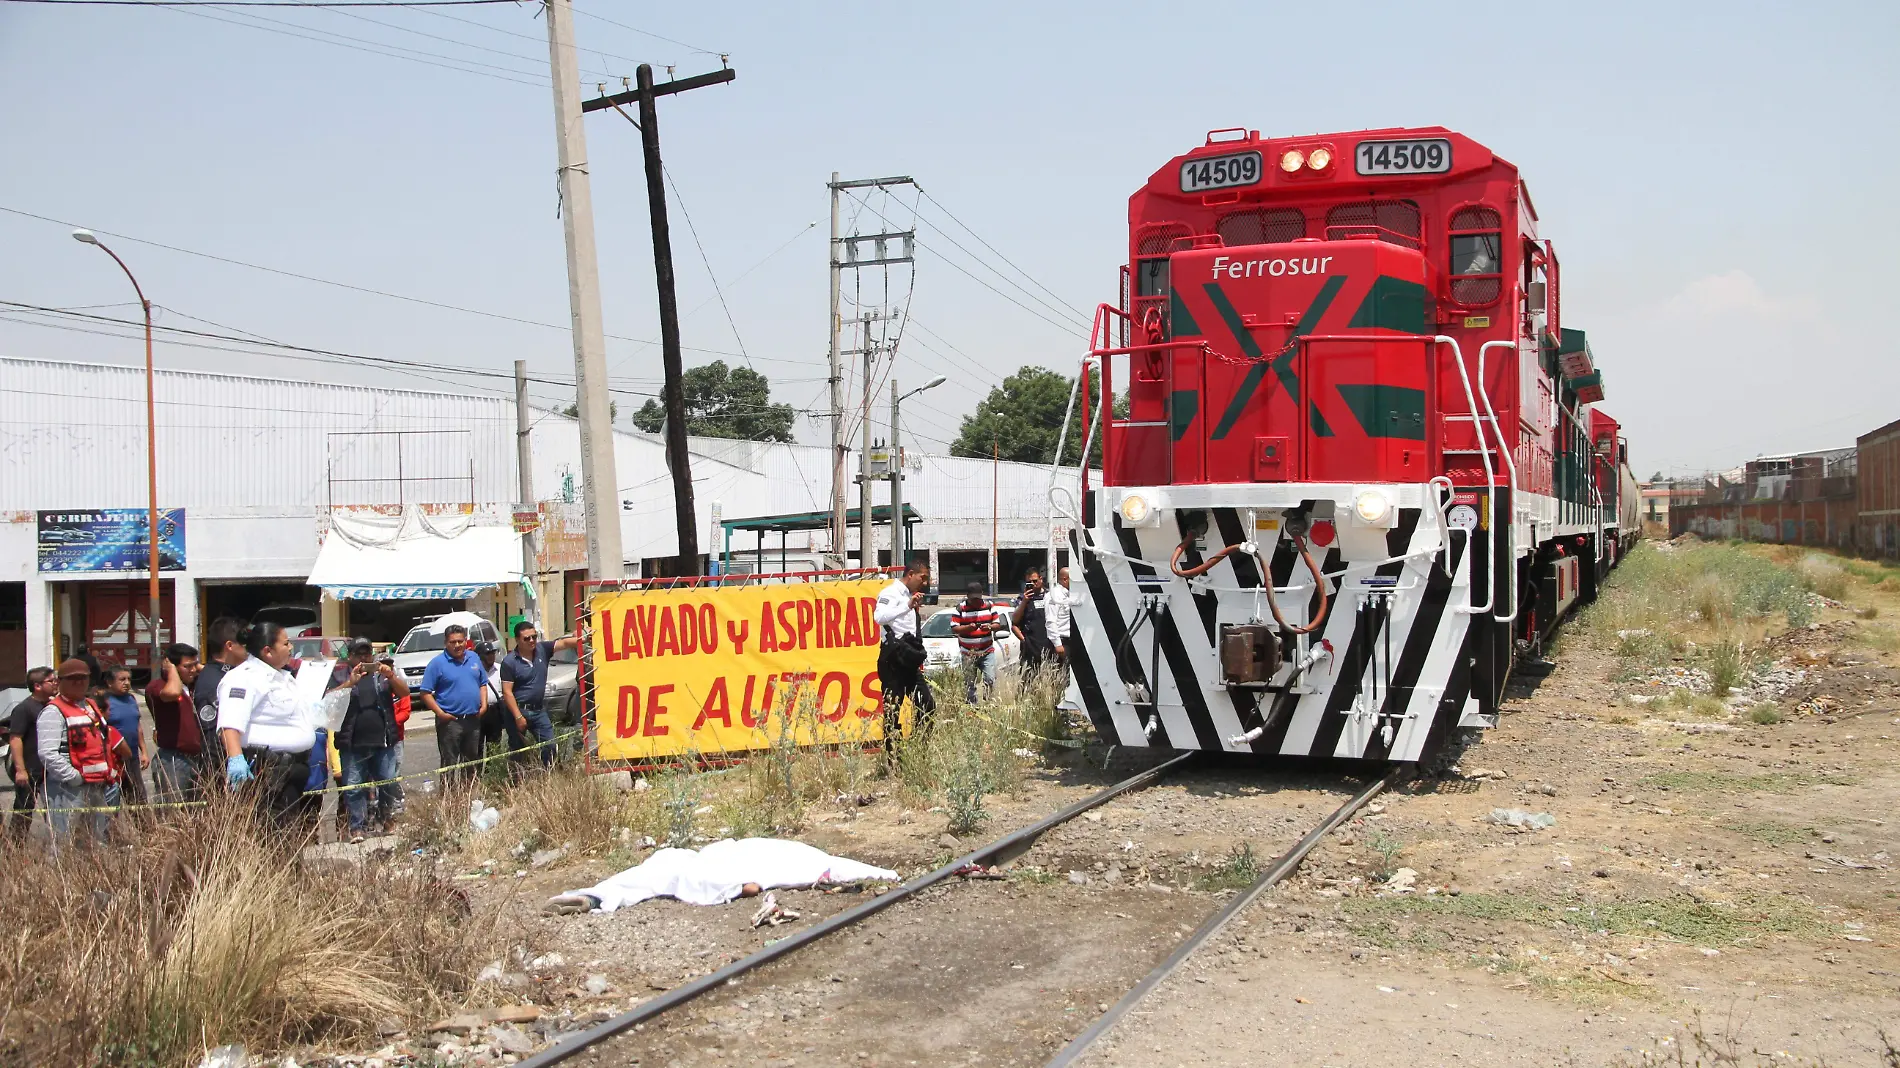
{"type": "Point", "coordinates": [346, 285]}
{"type": "Point", "coordinates": [649, 33]}
{"type": "Point", "coordinates": [267, 3]}
{"type": "Point", "coordinates": [376, 50]}
{"type": "Point", "coordinates": [1074, 327]}
{"type": "Point", "coordinates": [703, 259]}
{"type": "Point", "coordinates": [999, 255]}
{"type": "Point", "coordinates": [535, 60]}
{"type": "Point", "coordinates": [515, 33]}
{"type": "Point", "coordinates": [293, 352]}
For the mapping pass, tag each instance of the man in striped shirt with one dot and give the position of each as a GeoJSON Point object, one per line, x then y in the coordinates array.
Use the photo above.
{"type": "Point", "coordinates": [976, 622]}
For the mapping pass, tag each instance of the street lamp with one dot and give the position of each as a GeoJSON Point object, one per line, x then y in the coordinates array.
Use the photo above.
{"type": "Point", "coordinates": [151, 454]}
{"type": "Point", "coordinates": [900, 533]}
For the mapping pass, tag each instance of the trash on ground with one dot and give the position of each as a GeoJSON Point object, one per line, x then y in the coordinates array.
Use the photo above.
{"type": "Point", "coordinates": [773, 913]}
{"type": "Point", "coordinates": [482, 816]}
{"type": "Point", "coordinates": [1401, 882]}
{"type": "Point", "coordinates": [1517, 817]}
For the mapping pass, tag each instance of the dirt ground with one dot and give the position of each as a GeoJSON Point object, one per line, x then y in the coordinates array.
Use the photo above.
{"type": "Point", "coordinates": [1733, 881]}
{"type": "Point", "coordinates": [1713, 890]}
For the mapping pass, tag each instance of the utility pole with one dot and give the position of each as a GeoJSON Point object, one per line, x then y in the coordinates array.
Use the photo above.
{"type": "Point", "coordinates": [837, 388]}
{"type": "Point", "coordinates": [600, 486]}
{"type": "Point", "coordinates": [524, 462]}
{"type": "Point", "coordinates": [900, 534]}
{"type": "Point", "coordinates": [867, 529]}
{"type": "Point", "coordinates": [898, 556]}
{"type": "Point", "coordinates": [673, 392]}
{"type": "Point", "coordinates": [849, 252]}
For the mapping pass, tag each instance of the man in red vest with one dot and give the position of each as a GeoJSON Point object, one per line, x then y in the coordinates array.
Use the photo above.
{"type": "Point", "coordinates": [82, 754]}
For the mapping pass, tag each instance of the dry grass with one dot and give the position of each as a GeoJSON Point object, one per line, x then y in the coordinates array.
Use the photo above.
{"type": "Point", "coordinates": [1723, 597]}
{"type": "Point", "coordinates": [201, 929]}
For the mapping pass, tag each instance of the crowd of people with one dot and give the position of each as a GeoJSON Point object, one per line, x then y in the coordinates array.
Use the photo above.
{"type": "Point", "coordinates": [234, 716]}
{"type": "Point", "coordinates": [238, 720]}
{"type": "Point", "coordinates": [1040, 623]}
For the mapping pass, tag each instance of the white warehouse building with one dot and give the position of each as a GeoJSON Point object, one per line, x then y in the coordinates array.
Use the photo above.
{"type": "Point", "coordinates": [273, 493]}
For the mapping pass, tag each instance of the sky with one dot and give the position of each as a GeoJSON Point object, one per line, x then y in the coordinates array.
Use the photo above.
{"type": "Point", "coordinates": [1715, 177]}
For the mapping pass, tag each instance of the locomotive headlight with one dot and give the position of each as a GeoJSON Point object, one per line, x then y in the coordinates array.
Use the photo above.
{"type": "Point", "coordinates": [1142, 509]}
{"type": "Point", "coordinates": [1292, 160]}
{"type": "Point", "coordinates": [1320, 159]}
{"type": "Point", "coordinates": [1373, 508]}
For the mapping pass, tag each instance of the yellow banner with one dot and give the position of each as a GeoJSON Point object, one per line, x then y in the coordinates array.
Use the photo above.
{"type": "Point", "coordinates": [702, 672]}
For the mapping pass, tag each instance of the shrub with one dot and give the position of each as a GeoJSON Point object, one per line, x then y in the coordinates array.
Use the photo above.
{"type": "Point", "coordinates": [1824, 576]}
{"type": "Point", "coordinates": [203, 928]}
{"type": "Point", "coordinates": [1765, 713]}
{"type": "Point", "coordinates": [1725, 667]}
{"type": "Point", "coordinates": [1237, 871]}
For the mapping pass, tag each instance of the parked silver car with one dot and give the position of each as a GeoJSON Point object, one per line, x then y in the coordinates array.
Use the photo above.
{"type": "Point", "coordinates": [563, 696]}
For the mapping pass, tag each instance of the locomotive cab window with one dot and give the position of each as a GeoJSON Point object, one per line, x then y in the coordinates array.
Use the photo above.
{"type": "Point", "coordinates": [1476, 253]}
{"type": "Point", "coordinates": [1476, 244]}
{"type": "Point", "coordinates": [1151, 277]}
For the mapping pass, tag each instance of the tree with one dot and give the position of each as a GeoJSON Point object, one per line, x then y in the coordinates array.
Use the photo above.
{"type": "Point", "coordinates": [573, 411]}
{"type": "Point", "coordinates": [724, 402]}
{"type": "Point", "coordinates": [1023, 417]}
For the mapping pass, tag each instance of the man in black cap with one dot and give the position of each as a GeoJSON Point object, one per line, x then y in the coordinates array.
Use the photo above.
{"type": "Point", "coordinates": [366, 742]}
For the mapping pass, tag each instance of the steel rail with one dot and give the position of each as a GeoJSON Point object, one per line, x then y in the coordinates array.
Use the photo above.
{"type": "Point", "coordinates": [1283, 867]}
{"type": "Point", "coordinates": [1004, 848]}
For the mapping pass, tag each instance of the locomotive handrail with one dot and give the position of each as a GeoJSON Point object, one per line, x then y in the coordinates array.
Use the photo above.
{"type": "Point", "coordinates": [1510, 463]}
{"type": "Point", "coordinates": [1490, 475]}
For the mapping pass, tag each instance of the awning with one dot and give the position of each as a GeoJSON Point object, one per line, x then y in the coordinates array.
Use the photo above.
{"type": "Point", "coordinates": [386, 558]}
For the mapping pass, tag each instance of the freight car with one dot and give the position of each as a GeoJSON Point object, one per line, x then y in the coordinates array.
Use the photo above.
{"type": "Point", "coordinates": [1352, 468]}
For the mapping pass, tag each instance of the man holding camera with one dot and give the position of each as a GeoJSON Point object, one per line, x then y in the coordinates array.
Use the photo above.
{"type": "Point", "coordinates": [366, 742]}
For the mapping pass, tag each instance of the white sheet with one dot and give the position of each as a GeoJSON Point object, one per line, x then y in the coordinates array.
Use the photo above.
{"type": "Point", "coordinates": [715, 875]}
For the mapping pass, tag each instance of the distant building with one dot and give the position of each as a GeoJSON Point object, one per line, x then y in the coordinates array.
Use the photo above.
{"type": "Point", "coordinates": [275, 493]}
{"type": "Point", "coordinates": [1879, 491]}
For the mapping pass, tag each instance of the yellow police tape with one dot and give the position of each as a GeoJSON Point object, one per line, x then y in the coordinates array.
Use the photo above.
{"type": "Point", "coordinates": [1066, 743]}
{"type": "Point", "coordinates": [326, 790]}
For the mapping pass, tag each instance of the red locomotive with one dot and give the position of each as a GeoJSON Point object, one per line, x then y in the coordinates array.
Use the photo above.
{"type": "Point", "coordinates": [1352, 472]}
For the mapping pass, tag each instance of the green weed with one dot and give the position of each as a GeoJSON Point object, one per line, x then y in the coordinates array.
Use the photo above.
{"type": "Point", "coordinates": [1767, 713]}
{"type": "Point", "coordinates": [1716, 584]}
{"type": "Point", "coordinates": [1716, 782]}
{"type": "Point", "coordinates": [1387, 849]}
{"type": "Point", "coordinates": [1767, 832]}
{"type": "Point", "coordinates": [1878, 637]}
{"type": "Point", "coordinates": [1725, 667]}
{"type": "Point", "coordinates": [1237, 871]}
{"type": "Point", "coordinates": [1683, 918]}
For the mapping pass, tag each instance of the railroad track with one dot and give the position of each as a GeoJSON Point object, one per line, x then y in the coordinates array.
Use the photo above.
{"type": "Point", "coordinates": [999, 851]}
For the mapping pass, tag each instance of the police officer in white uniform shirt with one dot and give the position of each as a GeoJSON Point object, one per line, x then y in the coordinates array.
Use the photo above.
{"type": "Point", "coordinates": [267, 729]}
{"type": "Point", "coordinates": [901, 655]}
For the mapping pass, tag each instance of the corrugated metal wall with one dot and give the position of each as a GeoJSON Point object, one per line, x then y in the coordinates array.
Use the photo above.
{"type": "Point", "coordinates": [72, 435]}
{"type": "Point", "coordinates": [1880, 491]}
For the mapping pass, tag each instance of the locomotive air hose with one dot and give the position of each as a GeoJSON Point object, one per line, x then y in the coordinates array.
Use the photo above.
{"type": "Point", "coordinates": [1319, 580]}
{"type": "Point", "coordinates": [1202, 568]}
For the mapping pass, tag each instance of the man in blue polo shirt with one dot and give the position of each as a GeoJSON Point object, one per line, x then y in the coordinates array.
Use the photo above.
{"type": "Point", "coordinates": [524, 685]}
{"type": "Point", "coordinates": [455, 687]}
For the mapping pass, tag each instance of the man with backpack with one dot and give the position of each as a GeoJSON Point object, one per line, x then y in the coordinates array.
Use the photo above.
{"type": "Point", "coordinates": [83, 755]}
{"type": "Point", "coordinates": [901, 655]}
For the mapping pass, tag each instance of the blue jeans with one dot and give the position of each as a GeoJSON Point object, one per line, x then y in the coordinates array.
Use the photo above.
{"type": "Point", "coordinates": [984, 665]}
{"type": "Point", "coordinates": [61, 798]}
{"type": "Point", "coordinates": [542, 727]}
{"type": "Point", "coordinates": [368, 765]}
{"type": "Point", "coordinates": [174, 776]}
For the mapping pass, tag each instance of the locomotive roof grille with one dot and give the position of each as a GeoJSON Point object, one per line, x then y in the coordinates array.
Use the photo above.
{"type": "Point", "coordinates": [1262, 226]}
{"type": "Point", "coordinates": [1395, 222]}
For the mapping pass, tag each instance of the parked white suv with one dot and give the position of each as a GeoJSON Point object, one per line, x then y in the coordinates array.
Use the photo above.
{"type": "Point", "coordinates": [425, 640]}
